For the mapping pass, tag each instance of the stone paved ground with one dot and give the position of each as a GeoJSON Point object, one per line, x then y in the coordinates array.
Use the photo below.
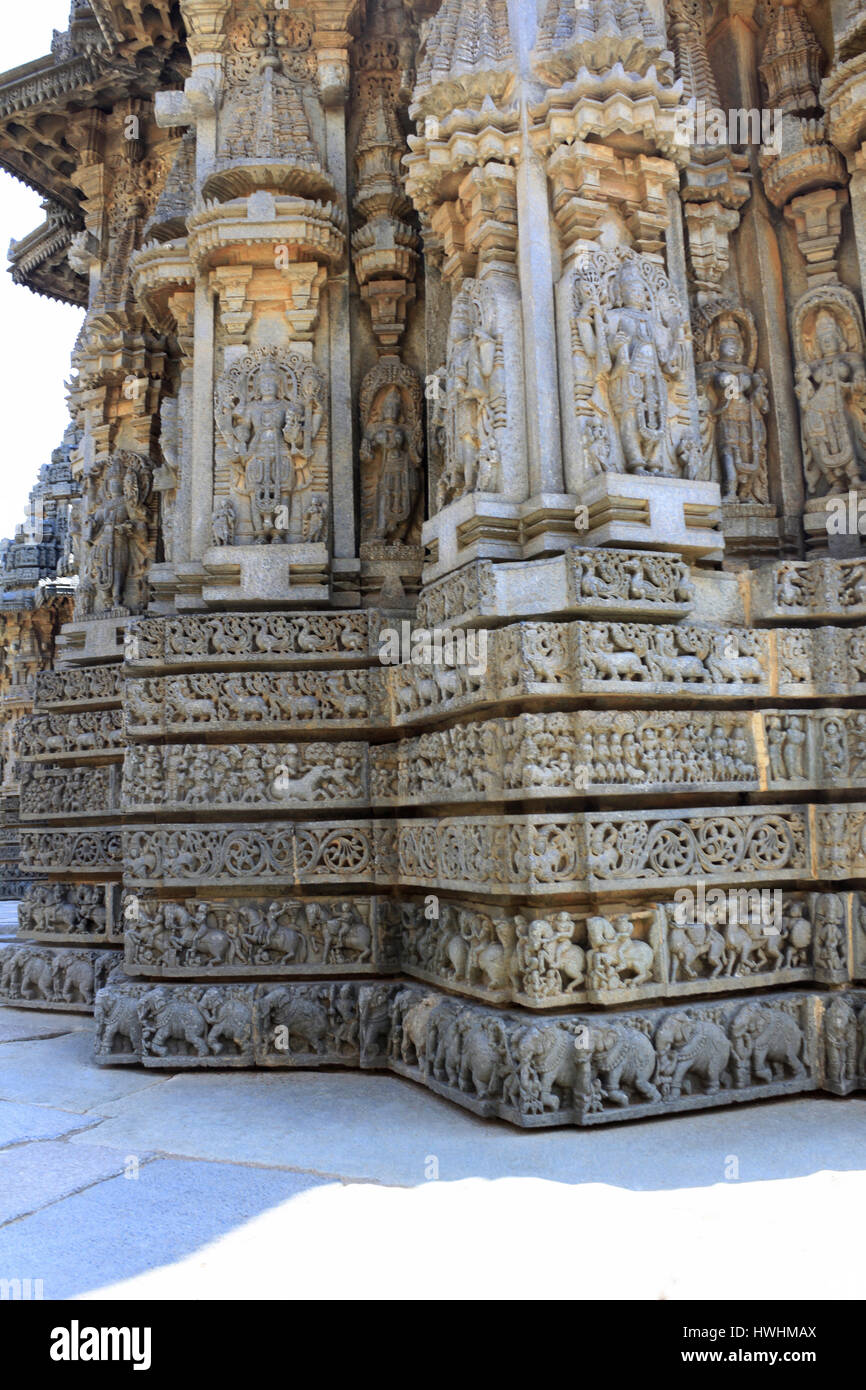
{"type": "Point", "coordinates": [239, 1184]}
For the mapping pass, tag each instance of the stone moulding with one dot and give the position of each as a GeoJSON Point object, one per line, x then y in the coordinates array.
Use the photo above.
{"type": "Point", "coordinates": [52, 793]}
{"type": "Point", "coordinates": [542, 756]}
{"type": "Point", "coordinates": [538, 958]}
{"type": "Point", "coordinates": [71, 913]}
{"type": "Point", "coordinates": [74, 736]}
{"type": "Point", "coordinates": [79, 687]}
{"type": "Point", "coordinates": [272, 776]}
{"type": "Point", "coordinates": [824, 590]}
{"type": "Point", "coordinates": [583, 582]}
{"type": "Point", "coordinates": [253, 937]}
{"type": "Point", "coordinates": [280, 854]}
{"type": "Point", "coordinates": [465, 675]}
{"type": "Point", "coordinates": [546, 854]}
{"type": "Point", "coordinates": [525, 661]}
{"type": "Point", "coordinates": [96, 851]}
{"type": "Point", "coordinates": [530, 757]}
{"type": "Point", "coordinates": [260, 639]}
{"type": "Point", "coordinates": [46, 977]}
{"type": "Point", "coordinates": [161, 705]}
{"type": "Point", "coordinates": [562, 1069]}
{"type": "Point", "coordinates": [614, 851]}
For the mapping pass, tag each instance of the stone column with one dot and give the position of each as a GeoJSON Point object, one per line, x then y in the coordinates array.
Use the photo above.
{"type": "Point", "coordinates": [678, 274]}
{"type": "Point", "coordinates": [332, 52]}
{"type": "Point", "coordinates": [535, 260]}
{"type": "Point", "coordinates": [201, 460]}
{"type": "Point", "coordinates": [537, 278]}
{"type": "Point", "coordinates": [183, 308]}
{"type": "Point", "coordinates": [733, 48]}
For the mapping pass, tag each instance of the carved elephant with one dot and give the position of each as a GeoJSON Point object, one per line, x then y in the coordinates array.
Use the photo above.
{"type": "Point", "coordinates": [690, 1047]}
{"type": "Point", "coordinates": [445, 1041]}
{"type": "Point", "coordinates": [304, 1018]}
{"type": "Point", "coordinates": [11, 963]}
{"type": "Point", "coordinates": [73, 978]}
{"type": "Point", "coordinates": [415, 1024]}
{"type": "Point", "coordinates": [174, 1018]}
{"type": "Point", "coordinates": [375, 1023]}
{"type": "Point", "coordinates": [117, 1017]}
{"type": "Point", "coordinates": [37, 978]}
{"type": "Point", "coordinates": [766, 1043]}
{"type": "Point", "coordinates": [483, 1057]}
{"type": "Point", "coordinates": [230, 1021]}
{"type": "Point", "coordinates": [546, 1058]}
{"type": "Point", "coordinates": [624, 1058]}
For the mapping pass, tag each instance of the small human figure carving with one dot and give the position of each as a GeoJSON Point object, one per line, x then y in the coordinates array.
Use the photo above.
{"type": "Point", "coordinates": [737, 406]}
{"type": "Point", "coordinates": [389, 449]}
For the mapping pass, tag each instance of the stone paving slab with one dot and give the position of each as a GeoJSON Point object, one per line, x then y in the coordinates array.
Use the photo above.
{"type": "Point", "coordinates": [60, 1071]}
{"type": "Point", "coordinates": [33, 1176]}
{"type": "Point", "coordinates": [20, 1123]}
{"type": "Point", "coordinates": [379, 1129]}
{"type": "Point", "coordinates": [122, 1227]}
{"type": "Point", "coordinates": [18, 1024]}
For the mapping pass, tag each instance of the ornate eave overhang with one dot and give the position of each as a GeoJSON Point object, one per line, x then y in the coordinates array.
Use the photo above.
{"type": "Point", "coordinates": [36, 98]}
{"type": "Point", "coordinates": [39, 260]}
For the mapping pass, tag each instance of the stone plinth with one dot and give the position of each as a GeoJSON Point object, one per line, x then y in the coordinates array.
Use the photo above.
{"type": "Point", "coordinates": [659, 513]}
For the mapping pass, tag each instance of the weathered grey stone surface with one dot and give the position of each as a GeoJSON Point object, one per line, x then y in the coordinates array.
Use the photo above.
{"type": "Point", "coordinates": [464, 669]}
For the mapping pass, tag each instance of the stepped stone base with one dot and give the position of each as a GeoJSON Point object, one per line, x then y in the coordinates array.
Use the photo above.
{"type": "Point", "coordinates": [580, 1069]}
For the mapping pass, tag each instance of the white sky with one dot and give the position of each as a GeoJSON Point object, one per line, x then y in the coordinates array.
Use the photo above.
{"type": "Point", "coordinates": [36, 334]}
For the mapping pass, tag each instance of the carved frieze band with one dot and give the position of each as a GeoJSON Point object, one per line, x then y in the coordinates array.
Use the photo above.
{"type": "Point", "coordinates": [549, 854]}
{"type": "Point", "coordinates": [45, 977]}
{"type": "Point", "coordinates": [70, 736]}
{"type": "Point", "coordinates": [224, 639]}
{"type": "Point", "coordinates": [74, 912]}
{"type": "Point", "coordinates": [534, 957]}
{"type": "Point", "coordinates": [79, 686]}
{"type": "Point", "coordinates": [72, 851]}
{"type": "Point", "coordinates": [527, 662]}
{"type": "Point", "coordinates": [574, 1069]}
{"type": "Point", "coordinates": [530, 757]}
{"type": "Point", "coordinates": [261, 936]}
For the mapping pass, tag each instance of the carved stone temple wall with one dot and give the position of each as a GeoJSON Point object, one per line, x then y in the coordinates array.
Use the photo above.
{"type": "Point", "coordinates": [452, 657]}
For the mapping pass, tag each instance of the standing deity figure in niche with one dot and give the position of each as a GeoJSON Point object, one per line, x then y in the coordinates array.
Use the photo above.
{"type": "Point", "coordinates": [269, 409]}
{"type": "Point", "coordinates": [472, 406]}
{"type": "Point", "coordinates": [629, 344]}
{"type": "Point", "coordinates": [114, 532]}
{"type": "Point", "coordinates": [831, 389]}
{"type": "Point", "coordinates": [736, 399]}
{"type": "Point", "coordinates": [391, 457]}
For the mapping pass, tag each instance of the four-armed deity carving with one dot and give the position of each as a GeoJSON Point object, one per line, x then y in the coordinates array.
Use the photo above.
{"type": "Point", "coordinates": [629, 349]}
{"type": "Point", "coordinates": [270, 408]}
{"type": "Point", "coordinates": [734, 401]}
